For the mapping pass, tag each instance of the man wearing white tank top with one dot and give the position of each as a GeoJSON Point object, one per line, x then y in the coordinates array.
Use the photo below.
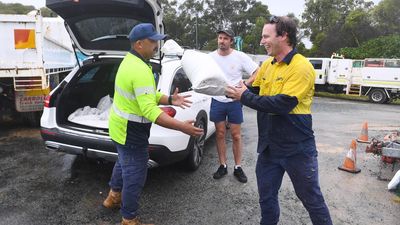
{"type": "Point", "coordinates": [233, 63]}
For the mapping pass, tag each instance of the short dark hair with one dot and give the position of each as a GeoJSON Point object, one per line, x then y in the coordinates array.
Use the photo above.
{"type": "Point", "coordinates": [287, 25]}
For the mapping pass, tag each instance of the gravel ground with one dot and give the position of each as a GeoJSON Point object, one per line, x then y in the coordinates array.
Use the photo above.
{"type": "Point", "coordinates": [42, 187]}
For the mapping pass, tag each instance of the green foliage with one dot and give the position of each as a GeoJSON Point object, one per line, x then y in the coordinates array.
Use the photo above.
{"type": "Point", "coordinates": [210, 45]}
{"type": "Point", "coordinates": [387, 16]}
{"type": "Point", "coordinates": [341, 96]}
{"type": "Point", "coordinates": [333, 24]}
{"type": "Point", "coordinates": [382, 47]}
{"type": "Point", "coordinates": [301, 48]}
{"type": "Point", "coordinates": [46, 12]}
{"type": "Point", "coordinates": [355, 28]}
{"type": "Point", "coordinates": [252, 39]}
{"type": "Point", "coordinates": [355, 24]}
{"type": "Point", "coordinates": [15, 8]}
{"type": "Point", "coordinates": [347, 24]}
{"type": "Point", "coordinates": [205, 17]}
{"type": "Point", "coordinates": [362, 98]}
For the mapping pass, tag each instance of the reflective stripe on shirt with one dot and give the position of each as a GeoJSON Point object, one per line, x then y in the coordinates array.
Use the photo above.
{"type": "Point", "coordinates": [124, 93]}
{"type": "Point", "coordinates": [130, 117]}
{"type": "Point", "coordinates": [144, 90]}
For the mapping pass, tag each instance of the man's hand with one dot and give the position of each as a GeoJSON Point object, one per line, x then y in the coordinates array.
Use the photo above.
{"type": "Point", "coordinates": [186, 127]}
{"type": "Point", "coordinates": [190, 129]}
{"type": "Point", "coordinates": [181, 100]}
{"type": "Point", "coordinates": [235, 92]}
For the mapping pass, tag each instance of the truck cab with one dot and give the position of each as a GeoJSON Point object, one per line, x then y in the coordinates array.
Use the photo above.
{"type": "Point", "coordinates": [321, 67]}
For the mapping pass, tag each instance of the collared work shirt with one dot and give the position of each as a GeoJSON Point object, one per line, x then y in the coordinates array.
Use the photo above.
{"type": "Point", "coordinates": [135, 104]}
{"type": "Point", "coordinates": [283, 103]}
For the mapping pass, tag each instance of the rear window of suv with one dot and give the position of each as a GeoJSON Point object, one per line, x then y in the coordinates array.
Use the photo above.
{"type": "Point", "coordinates": [105, 28]}
{"type": "Point", "coordinates": [103, 75]}
{"type": "Point", "coordinates": [104, 33]}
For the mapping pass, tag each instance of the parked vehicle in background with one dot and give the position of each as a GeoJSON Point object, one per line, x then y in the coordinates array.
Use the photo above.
{"type": "Point", "coordinates": [321, 67]}
{"type": "Point", "coordinates": [35, 55]}
{"type": "Point", "coordinates": [379, 79]}
{"type": "Point", "coordinates": [100, 32]}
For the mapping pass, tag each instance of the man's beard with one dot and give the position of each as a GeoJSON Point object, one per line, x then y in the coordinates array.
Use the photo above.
{"type": "Point", "coordinates": [223, 47]}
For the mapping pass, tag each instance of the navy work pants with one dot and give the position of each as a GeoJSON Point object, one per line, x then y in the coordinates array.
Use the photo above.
{"type": "Point", "coordinates": [129, 176]}
{"type": "Point", "coordinates": [302, 169]}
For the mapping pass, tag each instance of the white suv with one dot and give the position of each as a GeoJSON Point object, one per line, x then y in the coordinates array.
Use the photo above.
{"type": "Point", "coordinates": [99, 29]}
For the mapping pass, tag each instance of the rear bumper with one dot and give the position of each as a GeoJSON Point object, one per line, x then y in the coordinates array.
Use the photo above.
{"type": "Point", "coordinates": [102, 147]}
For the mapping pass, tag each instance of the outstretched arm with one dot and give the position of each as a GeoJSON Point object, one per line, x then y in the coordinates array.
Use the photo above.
{"type": "Point", "coordinates": [176, 100]}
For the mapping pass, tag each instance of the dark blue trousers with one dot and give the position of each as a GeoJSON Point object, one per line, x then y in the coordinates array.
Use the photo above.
{"type": "Point", "coordinates": [302, 169]}
{"type": "Point", "coordinates": [129, 176]}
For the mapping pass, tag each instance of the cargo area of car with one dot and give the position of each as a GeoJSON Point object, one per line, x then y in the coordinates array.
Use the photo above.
{"type": "Point", "coordinates": [91, 84]}
{"type": "Point", "coordinates": [86, 88]}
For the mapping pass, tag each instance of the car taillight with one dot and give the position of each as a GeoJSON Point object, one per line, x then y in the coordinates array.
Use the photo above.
{"type": "Point", "coordinates": [47, 101]}
{"type": "Point", "coordinates": [169, 110]}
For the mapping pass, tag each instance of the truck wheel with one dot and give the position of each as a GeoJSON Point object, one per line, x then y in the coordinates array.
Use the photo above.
{"type": "Point", "coordinates": [196, 147]}
{"type": "Point", "coordinates": [377, 96]}
{"type": "Point", "coordinates": [32, 118]}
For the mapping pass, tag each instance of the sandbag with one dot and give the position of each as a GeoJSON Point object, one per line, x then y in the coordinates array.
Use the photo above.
{"type": "Point", "coordinates": [171, 48]}
{"type": "Point", "coordinates": [204, 73]}
{"type": "Point", "coordinates": [95, 117]}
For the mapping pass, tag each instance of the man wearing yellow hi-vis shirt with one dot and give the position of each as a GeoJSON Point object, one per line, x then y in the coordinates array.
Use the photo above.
{"type": "Point", "coordinates": [134, 110]}
{"type": "Point", "coordinates": [282, 94]}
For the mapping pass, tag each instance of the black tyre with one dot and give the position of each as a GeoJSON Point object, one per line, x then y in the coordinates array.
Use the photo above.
{"type": "Point", "coordinates": [196, 147]}
{"type": "Point", "coordinates": [377, 96]}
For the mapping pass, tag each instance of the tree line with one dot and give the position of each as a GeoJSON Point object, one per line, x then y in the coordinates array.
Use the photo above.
{"type": "Point", "coordinates": [18, 8]}
{"type": "Point", "coordinates": [355, 28]}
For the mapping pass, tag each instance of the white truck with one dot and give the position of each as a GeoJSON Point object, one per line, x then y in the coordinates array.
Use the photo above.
{"type": "Point", "coordinates": [35, 54]}
{"type": "Point", "coordinates": [379, 79]}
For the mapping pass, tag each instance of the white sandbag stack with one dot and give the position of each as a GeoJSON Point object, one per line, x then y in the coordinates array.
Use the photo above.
{"type": "Point", "coordinates": [94, 117]}
{"type": "Point", "coordinates": [204, 73]}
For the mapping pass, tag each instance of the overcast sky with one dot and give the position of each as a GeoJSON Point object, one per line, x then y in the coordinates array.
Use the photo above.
{"type": "Point", "coordinates": [276, 7]}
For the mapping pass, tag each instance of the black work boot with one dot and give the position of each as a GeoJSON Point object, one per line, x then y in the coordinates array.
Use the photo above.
{"type": "Point", "coordinates": [222, 171]}
{"type": "Point", "coordinates": [240, 175]}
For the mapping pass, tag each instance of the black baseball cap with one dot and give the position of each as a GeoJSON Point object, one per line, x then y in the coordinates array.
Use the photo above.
{"type": "Point", "coordinates": [227, 32]}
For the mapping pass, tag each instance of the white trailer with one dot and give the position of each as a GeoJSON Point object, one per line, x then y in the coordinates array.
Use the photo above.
{"type": "Point", "coordinates": [379, 79]}
{"type": "Point", "coordinates": [340, 71]}
{"type": "Point", "coordinates": [35, 54]}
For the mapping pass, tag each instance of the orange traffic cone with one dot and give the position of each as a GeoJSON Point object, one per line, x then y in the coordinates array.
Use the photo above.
{"type": "Point", "coordinates": [363, 138]}
{"type": "Point", "coordinates": [349, 164]}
